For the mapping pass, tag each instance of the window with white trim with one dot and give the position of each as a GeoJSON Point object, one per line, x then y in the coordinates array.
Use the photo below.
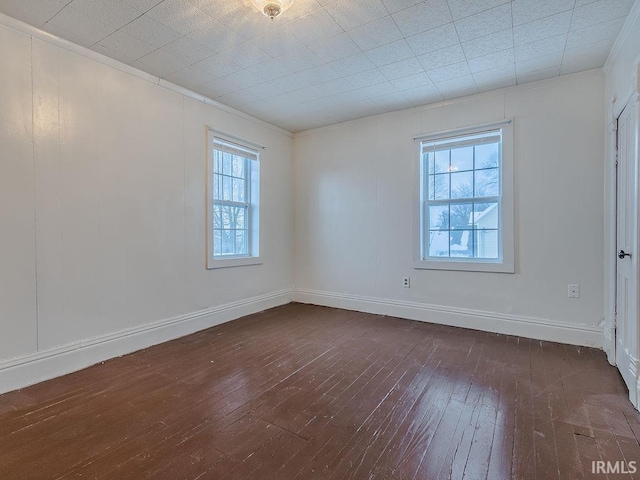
{"type": "Point", "coordinates": [233, 204]}
{"type": "Point", "coordinates": [466, 200]}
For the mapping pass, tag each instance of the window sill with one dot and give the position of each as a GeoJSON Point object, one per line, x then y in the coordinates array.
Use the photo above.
{"type": "Point", "coordinates": [233, 262]}
{"type": "Point", "coordinates": [464, 266]}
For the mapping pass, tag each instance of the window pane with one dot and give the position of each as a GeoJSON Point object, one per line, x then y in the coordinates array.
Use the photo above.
{"type": "Point", "coordinates": [217, 186]}
{"type": "Point", "coordinates": [461, 169]}
{"type": "Point", "coordinates": [217, 161]}
{"type": "Point", "coordinates": [486, 244]}
{"type": "Point", "coordinates": [217, 216]}
{"type": "Point", "coordinates": [462, 185]}
{"type": "Point", "coordinates": [441, 186]}
{"type": "Point", "coordinates": [442, 161]}
{"type": "Point", "coordinates": [461, 159]}
{"type": "Point", "coordinates": [217, 242]}
{"type": "Point", "coordinates": [227, 162]}
{"type": "Point", "coordinates": [487, 183]}
{"type": "Point", "coordinates": [241, 244]}
{"type": "Point", "coordinates": [429, 158]}
{"type": "Point", "coordinates": [238, 190]}
{"type": "Point", "coordinates": [461, 243]}
{"type": "Point", "coordinates": [227, 187]}
{"type": "Point", "coordinates": [485, 216]}
{"type": "Point", "coordinates": [439, 217]}
{"type": "Point", "coordinates": [431, 187]}
{"type": "Point", "coordinates": [228, 242]}
{"type": "Point", "coordinates": [487, 155]}
{"type": "Point", "coordinates": [239, 167]}
{"type": "Point", "coordinates": [439, 244]}
{"type": "Point", "coordinates": [461, 216]}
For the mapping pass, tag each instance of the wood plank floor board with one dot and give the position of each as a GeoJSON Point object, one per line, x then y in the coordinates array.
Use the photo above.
{"type": "Point", "coordinates": [305, 392]}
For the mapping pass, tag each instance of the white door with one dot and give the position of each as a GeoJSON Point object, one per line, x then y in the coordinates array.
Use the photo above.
{"type": "Point", "coordinates": [627, 252]}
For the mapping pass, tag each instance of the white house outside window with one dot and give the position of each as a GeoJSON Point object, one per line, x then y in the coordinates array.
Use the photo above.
{"type": "Point", "coordinates": [233, 204]}
{"type": "Point", "coordinates": [466, 200]}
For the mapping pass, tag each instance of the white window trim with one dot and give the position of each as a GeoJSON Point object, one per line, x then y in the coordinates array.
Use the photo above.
{"type": "Point", "coordinates": [507, 264]}
{"type": "Point", "coordinates": [253, 258]}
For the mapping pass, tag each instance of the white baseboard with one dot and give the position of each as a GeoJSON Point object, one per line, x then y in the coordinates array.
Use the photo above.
{"type": "Point", "coordinates": [29, 369]}
{"type": "Point", "coordinates": [530, 327]}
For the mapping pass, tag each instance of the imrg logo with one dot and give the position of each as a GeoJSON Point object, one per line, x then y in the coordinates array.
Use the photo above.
{"type": "Point", "coordinates": [601, 466]}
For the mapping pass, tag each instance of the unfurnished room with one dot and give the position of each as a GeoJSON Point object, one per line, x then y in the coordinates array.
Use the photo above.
{"type": "Point", "coordinates": [319, 239]}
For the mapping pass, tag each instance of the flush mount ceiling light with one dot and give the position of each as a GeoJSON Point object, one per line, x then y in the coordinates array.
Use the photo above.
{"type": "Point", "coordinates": [272, 8]}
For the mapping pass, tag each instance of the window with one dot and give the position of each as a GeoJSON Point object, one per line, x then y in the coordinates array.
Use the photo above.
{"type": "Point", "coordinates": [466, 200]}
{"type": "Point", "coordinates": [233, 213]}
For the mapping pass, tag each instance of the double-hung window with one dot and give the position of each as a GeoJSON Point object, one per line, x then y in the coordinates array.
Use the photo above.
{"type": "Point", "coordinates": [466, 200]}
{"type": "Point", "coordinates": [233, 204]}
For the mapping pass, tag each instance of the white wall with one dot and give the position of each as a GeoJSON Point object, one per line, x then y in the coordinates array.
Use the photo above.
{"type": "Point", "coordinates": [102, 207]}
{"type": "Point", "coordinates": [620, 70]}
{"type": "Point", "coordinates": [353, 194]}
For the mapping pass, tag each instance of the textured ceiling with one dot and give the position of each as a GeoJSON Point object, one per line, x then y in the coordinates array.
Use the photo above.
{"type": "Point", "coordinates": [326, 61]}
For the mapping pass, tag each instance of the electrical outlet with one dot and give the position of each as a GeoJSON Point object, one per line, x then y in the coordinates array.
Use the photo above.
{"type": "Point", "coordinates": [573, 291]}
{"type": "Point", "coordinates": [406, 282]}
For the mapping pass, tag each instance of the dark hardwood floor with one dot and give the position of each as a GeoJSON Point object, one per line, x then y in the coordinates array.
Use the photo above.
{"type": "Point", "coordinates": [305, 392]}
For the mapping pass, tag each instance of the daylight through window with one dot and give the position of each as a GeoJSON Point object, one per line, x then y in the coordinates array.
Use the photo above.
{"type": "Point", "coordinates": [233, 201]}
{"type": "Point", "coordinates": [462, 197]}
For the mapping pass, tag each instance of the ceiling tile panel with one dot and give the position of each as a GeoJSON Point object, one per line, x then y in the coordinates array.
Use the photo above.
{"type": "Point", "coordinates": [412, 81]}
{"type": "Point", "coordinates": [270, 69]}
{"type": "Point", "coordinates": [525, 11]}
{"type": "Point", "coordinates": [546, 46]}
{"type": "Point", "coordinates": [178, 15]}
{"type": "Point", "coordinates": [423, 16]}
{"type": "Point", "coordinates": [335, 48]}
{"type": "Point", "coordinates": [191, 77]}
{"type": "Point", "coordinates": [366, 79]}
{"type": "Point", "coordinates": [215, 36]}
{"type": "Point", "coordinates": [376, 33]}
{"type": "Point", "coordinates": [219, 66]}
{"type": "Point", "coordinates": [161, 63]}
{"type": "Point", "coordinates": [390, 53]}
{"type": "Point", "coordinates": [492, 43]}
{"type": "Point", "coordinates": [407, 67]}
{"type": "Point", "coordinates": [352, 13]}
{"type": "Point", "coordinates": [539, 63]}
{"type": "Point", "coordinates": [598, 12]}
{"type": "Point", "coordinates": [506, 72]}
{"type": "Point", "coordinates": [112, 12]}
{"type": "Point", "coordinates": [435, 39]}
{"type": "Point", "coordinates": [601, 31]}
{"type": "Point", "coordinates": [394, 6]}
{"type": "Point", "coordinates": [458, 87]}
{"type": "Point", "coordinates": [449, 72]}
{"type": "Point", "coordinates": [126, 45]}
{"type": "Point", "coordinates": [353, 64]}
{"type": "Point", "coordinates": [484, 23]}
{"type": "Point", "coordinates": [466, 8]}
{"type": "Point", "coordinates": [324, 61]}
{"type": "Point", "coordinates": [277, 44]}
{"type": "Point", "coordinates": [188, 50]}
{"type": "Point", "coordinates": [34, 12]}
{"type": "Point", "coordinates": [498, 59]}
{"type": "Point", "coordinates": [79, 25]}
{"type": "Point", "coordinates": [245, 54]}
{"type": "Point", "coordinates": [442, 58]}
{"type": "Point", "coordinates": [151, 31]}
{"type": "Point", "coordinates": [314, 27]}
{"type": "Point", "coordinates": [142, 5]}
{"type": "Point", "coordinates": [543, 28]}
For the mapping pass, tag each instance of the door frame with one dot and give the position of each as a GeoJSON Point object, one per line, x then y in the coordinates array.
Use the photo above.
{"type": "Point", "coordinates": [609, 330]}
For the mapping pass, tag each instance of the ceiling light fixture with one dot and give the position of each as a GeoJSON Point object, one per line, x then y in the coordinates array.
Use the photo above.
{"type": "Point", "coordinates": [272, 8]}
